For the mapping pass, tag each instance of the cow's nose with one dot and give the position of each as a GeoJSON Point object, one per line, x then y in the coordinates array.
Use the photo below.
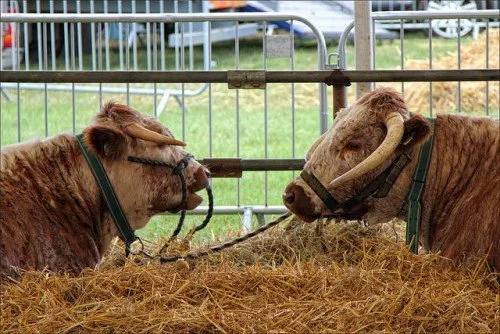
{"type": "Point", "coordinates": [200, 179]}
{"type": "Point", "coordinates": [289, 196]}
{"type": "Point", "coordinates": [292, 195]}
{"type": "Point", "coordinates": [297, 201]}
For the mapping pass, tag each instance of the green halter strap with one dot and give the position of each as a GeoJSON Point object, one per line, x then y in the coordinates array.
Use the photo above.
{"type": "Point", "coordinates": [126, 232]}
{"type": "Point", "coordinates": [412, 204]}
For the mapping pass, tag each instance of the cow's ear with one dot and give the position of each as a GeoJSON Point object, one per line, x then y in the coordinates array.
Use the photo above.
{"type": "Point", "coordinates": [105, 142]}
{"type": "Point", "coordinates": [417, 130]}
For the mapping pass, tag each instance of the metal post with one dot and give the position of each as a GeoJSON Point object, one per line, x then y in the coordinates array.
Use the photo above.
{"type": "Point", "coordinates": [339, 98]}
{"type": "Point", "coordinates": [363, 42]}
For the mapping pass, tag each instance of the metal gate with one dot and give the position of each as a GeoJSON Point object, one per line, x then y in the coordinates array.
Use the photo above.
{"type": "Point", "coordinates": [215, 121]}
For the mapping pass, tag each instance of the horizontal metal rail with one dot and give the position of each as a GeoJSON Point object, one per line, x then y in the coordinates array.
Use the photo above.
{"type": "Point", "coordinates": [325, 76]}
{"type": "Point", "coordinates": [234, 167]}
{"type": "Point", "coordinates": [231, 210]}
{"type": "Point", "coordinates": [415, 15]}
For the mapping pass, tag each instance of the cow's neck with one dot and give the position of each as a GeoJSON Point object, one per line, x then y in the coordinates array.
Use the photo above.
{"type": "Point", "coordinates": [456, 159]}
{"type": "Point", "coordinates": [85, 203]}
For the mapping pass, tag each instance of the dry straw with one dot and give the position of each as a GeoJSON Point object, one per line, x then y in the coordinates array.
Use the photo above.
{"type": "Point", "coordinates": [325, 278]}
{"type": "Point", "coordinates": [444, 94]}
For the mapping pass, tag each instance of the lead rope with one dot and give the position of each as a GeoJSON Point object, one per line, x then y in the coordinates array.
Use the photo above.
{"type": "Point", "coordinates": [225, 245]}
{"type": "Point", "coordinates": [179, 170]}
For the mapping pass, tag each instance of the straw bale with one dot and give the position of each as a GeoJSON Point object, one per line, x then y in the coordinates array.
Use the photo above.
{"type": "Point", "coordinates": [303, 278]}
{"type": "Point", "coordinates": [444, 94]}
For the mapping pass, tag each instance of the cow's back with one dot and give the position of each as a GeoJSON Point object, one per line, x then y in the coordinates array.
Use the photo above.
{"type": "Point", "coordinates": [466, 215]}
{"type": "Point", "coordinates": [44, 217]}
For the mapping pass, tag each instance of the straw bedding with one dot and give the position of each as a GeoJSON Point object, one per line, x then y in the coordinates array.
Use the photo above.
{"type": "Point", "coordinates": [444, 94]}
{"type": "Point", "coordinates": [299, 279]}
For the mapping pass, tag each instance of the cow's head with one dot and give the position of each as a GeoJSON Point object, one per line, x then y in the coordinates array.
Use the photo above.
{"type": "Point", "coordinates": [363, 141]}
{"type": "Point", "coordinates": [143, 190]}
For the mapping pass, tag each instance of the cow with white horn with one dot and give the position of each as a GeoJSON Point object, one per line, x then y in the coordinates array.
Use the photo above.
{"type": "Point", "coordinates": [52, 211]}
{"type": "Point", "coordinates": [364, 166]}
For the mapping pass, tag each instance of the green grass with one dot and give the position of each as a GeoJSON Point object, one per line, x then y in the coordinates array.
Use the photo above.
{"type": "Point", "coordinates": [35, 121]}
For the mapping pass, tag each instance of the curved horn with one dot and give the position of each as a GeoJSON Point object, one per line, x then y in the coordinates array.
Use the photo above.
{"type": "Point", "coordinates": [315, 145]}
{"type": "Point", "coordinates": [395, 129]}
{"type": "Point", "coordinates": [138, 131]}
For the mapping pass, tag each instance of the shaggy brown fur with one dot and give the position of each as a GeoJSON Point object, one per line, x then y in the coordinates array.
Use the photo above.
{"type": "Point", "coordinates": [460, 216]}
{"type": "Point", "coordinates": [52, 214]}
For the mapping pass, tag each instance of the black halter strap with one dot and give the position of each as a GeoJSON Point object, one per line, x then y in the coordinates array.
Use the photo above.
{"type": "Point", "coordinates": [378, 188]}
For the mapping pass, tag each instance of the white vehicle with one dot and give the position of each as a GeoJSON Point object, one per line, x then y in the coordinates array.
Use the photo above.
{"type": "Point", "coordinates": [449, 28]}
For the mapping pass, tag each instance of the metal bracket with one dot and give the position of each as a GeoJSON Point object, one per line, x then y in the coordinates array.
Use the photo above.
{"type": "Point", "coordinates": [223, 167]}
{"type": "Point", "coordinates": [246, 79]}
{"type": "Point", "coordinates": [333, 66]}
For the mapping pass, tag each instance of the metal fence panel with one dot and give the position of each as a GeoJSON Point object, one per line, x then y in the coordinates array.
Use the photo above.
{"type": "Point", "coordinates": [214, 121]}
{"type": "Point", "coordinates": [460, 96]}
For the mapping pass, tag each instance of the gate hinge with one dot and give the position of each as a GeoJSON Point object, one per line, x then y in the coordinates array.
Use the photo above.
{"type": "Point", "coordinates": [246, 79]}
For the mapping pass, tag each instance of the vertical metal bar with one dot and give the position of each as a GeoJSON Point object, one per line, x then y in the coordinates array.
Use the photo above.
{"type": "Point", "coordinates": [374, 46]}
{"type": "Point", "coordinates": [162, 37]}
{"type": "Point", "coordinates": [13, 46]}
{"type": "Point", "coordinates": [26, 39]}
{"type": "Point", "coordinates": [17, 44]}
{"type": "Point", "coordinates": [127, 62]}
{"type": "Point", "coordinates": [120, 35]}
{"type": "Point", "coordinates": [39, 37]}
{"type": "Point", "coordinates": [190, 28]}
{"type": "Point", "coordinates": [430, 68]}
{"type": "Point", "coordinates": [92, 38]}
{"type": "Point", "coordinates": [52, 37]}
{"type": "Point", "coordinates": [99, 59]}
{"type": "Point", "coordinates": [183, 86]}
{"type": "Point", "coordinates": [339, 98]}
{"type": "Point", "coordinates": [176, 28]}
{"type": "Point", "coordinates": [292, 67]}
{"type": "Point", "coordinates": [487, 65]}
{"type": "Point", "coordinates": [45, 66]}
{"type": "Point", "coordinates": [459, 95]}
{"type": "Point", "coordinates": [210, 115]}
{"type": "Point", "coordinates": [364, 42]}
{"type": "Point", "coordinates": [134, 41]}
{"type": "Point", "coordinates": [73, 67]}
{"type": "Point", "coordinates": [155, 67]}
{"type": "Point", "coordinates": [237, 66]}
{"type": "Point", "coordinates": [66, 42]}
{"type": "Point", "coordinates": [264, 53]}
{"type": "Point", "coordinates": [13, 41]}
{"type": "Point", "coordinates": [80, 44]}
{"type": "Point", "coordinates": [148, 38]}
{"type": "Point", "coordinates": [402, 48]}
{"type": "Point", "coordinates": [106, 37]}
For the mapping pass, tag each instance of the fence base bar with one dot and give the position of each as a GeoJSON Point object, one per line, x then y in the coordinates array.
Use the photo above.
{"type": "Point", "coordinates": [231, 210]}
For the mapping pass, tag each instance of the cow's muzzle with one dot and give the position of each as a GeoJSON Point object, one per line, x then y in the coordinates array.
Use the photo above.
{"type": "Point", "coordinates": [200, 181]}
{"type": "Point", "coordinates": [298, 202]}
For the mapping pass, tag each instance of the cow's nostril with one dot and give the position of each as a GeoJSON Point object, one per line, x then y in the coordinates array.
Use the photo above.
{"type": "Point", "coordinates": [289, 197]}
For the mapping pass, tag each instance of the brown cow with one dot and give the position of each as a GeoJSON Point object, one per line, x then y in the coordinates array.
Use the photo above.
{"type": "Point", "coordinates": [52, 214]}
{"type": "Point", "coordinates": [460, 214]}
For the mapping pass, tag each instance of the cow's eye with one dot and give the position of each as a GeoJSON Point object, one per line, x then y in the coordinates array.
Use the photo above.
{"type": "Point", "coordinates": [353, 146]}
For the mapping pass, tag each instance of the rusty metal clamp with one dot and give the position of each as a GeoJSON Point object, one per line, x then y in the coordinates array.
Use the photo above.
{"type": "Point", "coordinates": [246, 79]}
